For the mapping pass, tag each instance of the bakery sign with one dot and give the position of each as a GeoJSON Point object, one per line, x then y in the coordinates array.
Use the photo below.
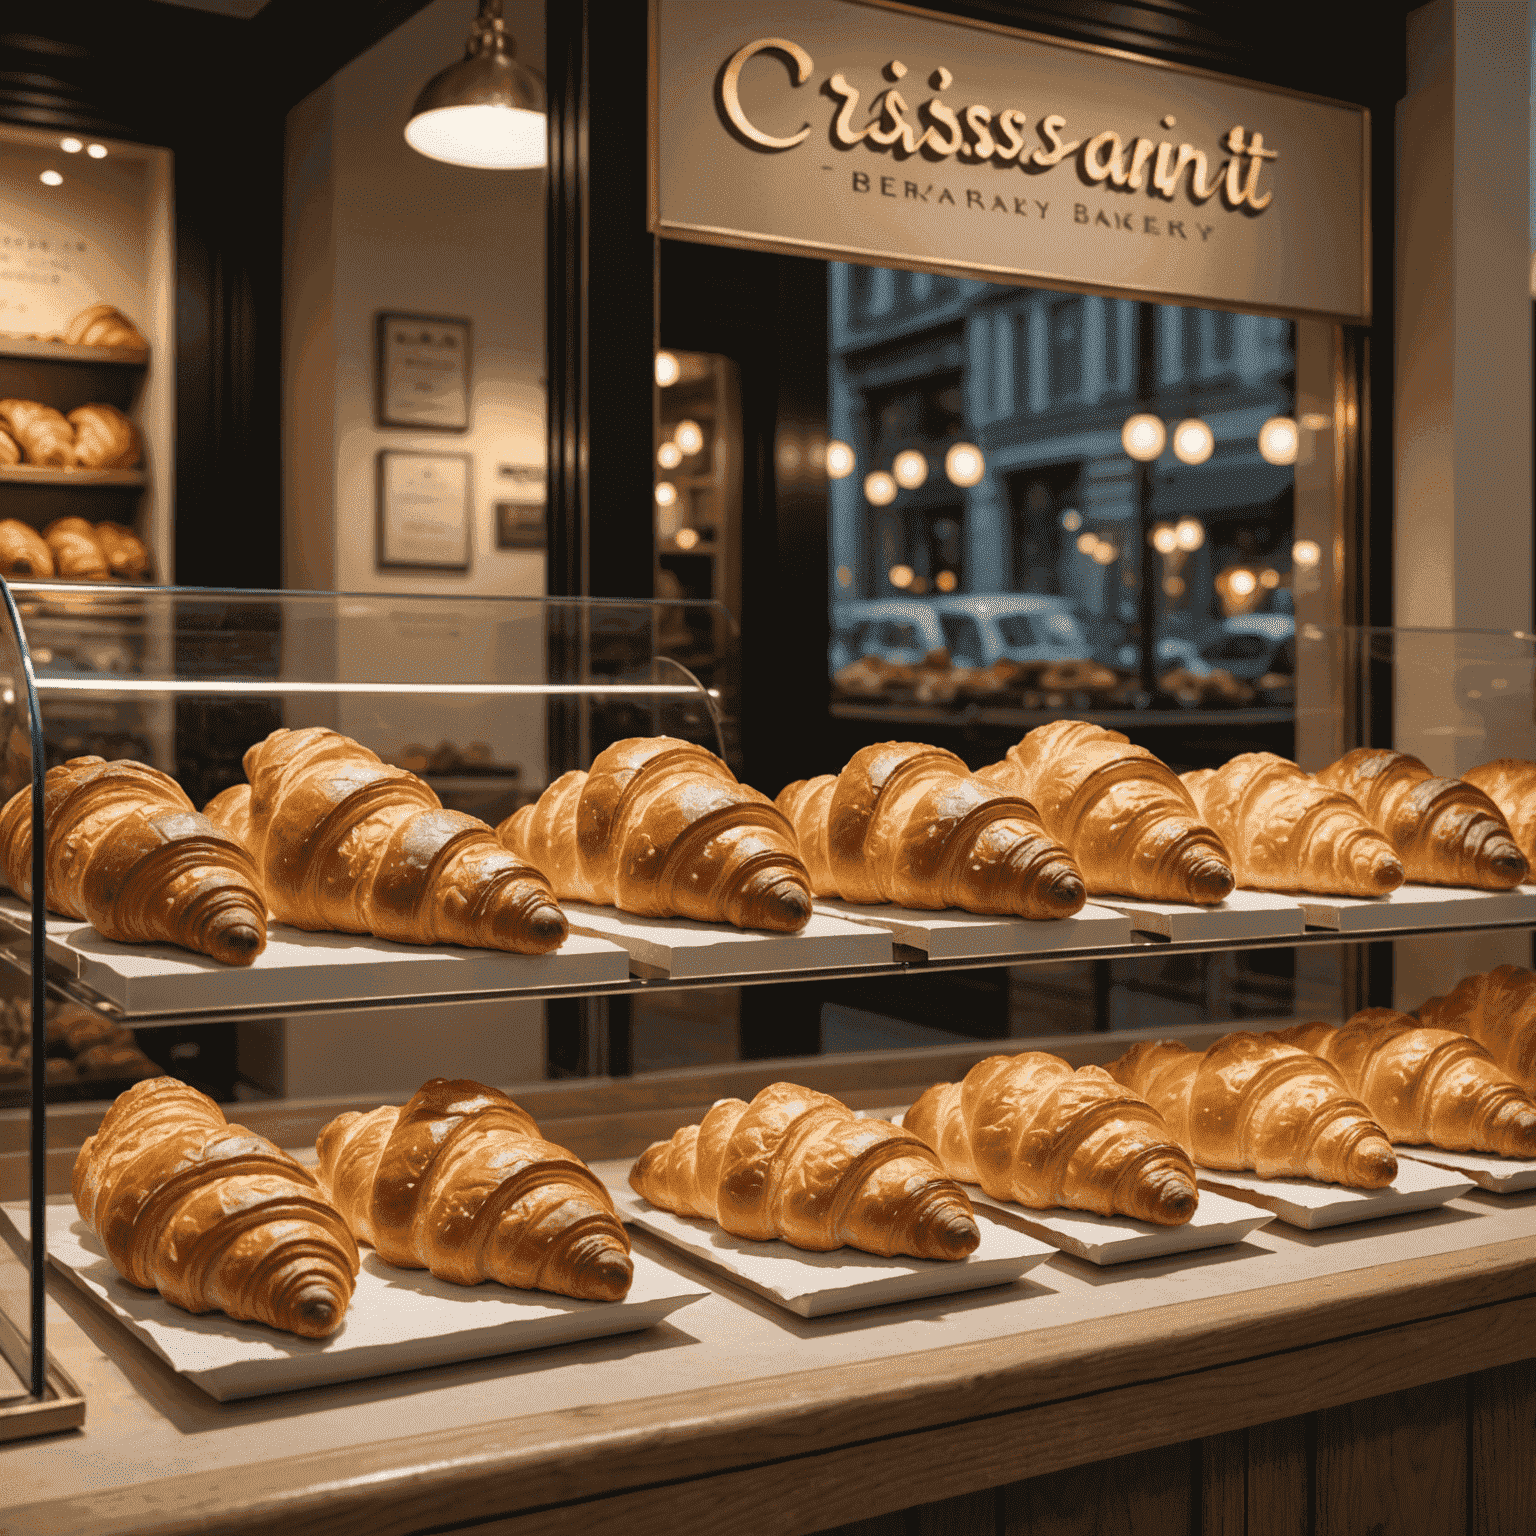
{"type": "Point", "coordinates": [875, 133]}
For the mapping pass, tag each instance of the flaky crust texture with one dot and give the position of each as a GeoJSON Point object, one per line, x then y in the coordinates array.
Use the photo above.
{"type": "Point", "coordinates": [1289, 833]}
{"type": "Point", "coordinates": [104, 437]}
{"type": "Point", "coordinates": [103, 325]}
{"type": "Point", "coordinates": [211, 1215]}
{"type": "Point", "coordinates": [1030, 1129]}
{"type": "Point", "coordinates": [460, 1183]}
{"type": "Point", "coordinates": [798, 1165]}
{"type": "Point", "coordinates": [1445, 831]}
{"type": "Point", "coordinates": [1425, 1086]}
{"type": "Point", "coordinates": [1510, 782]}
{"type": "Point", "coordinates": [124, 551]}
{"type": "Point", "coordinates": [662, 828]}
{"type": "Point", "coordinates": [44, 435]}
{"type": "Point", "coordinates": [24, 551]}
{"type": "Point", "coordinates": [1121, 813]}
{"type": "Point", "coordinates": [127, 853]}
{"type": "Point", "coordinates": [347, 844]}
{"type": "Point", "coordinates": [76, 553]}
{"type": "Point", "coordinates": [910, 824]}
{"type": "Point", "coordinates": [1257, 1102]}
{"type": "Point", "coordinates": [1497, 1009]}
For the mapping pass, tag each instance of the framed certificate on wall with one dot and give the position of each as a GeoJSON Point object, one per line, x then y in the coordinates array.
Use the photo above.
{"type": "Point", "coordinates": [424, 511]}
{"type": "Point", "coordinates": [423, 372]}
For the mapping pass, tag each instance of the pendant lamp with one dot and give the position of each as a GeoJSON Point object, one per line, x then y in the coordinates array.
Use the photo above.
{"type": "Point", "coordinates": [487, 110]}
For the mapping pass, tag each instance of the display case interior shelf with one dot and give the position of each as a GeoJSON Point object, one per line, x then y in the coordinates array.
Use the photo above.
{"type": "Point", "coordinates": [45, 349]}
{"type": "Point", "coordinates": [72, 479]}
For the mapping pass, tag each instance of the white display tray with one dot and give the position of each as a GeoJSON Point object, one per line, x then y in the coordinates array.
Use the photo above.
{"type": "Point", "coordinates": [1502, 1175]}
{"type": "Point", "coordinates": [399, 1319]}
{"type": "Point", "coordinates": [301, 968]}
{"type": "Point", "coordinates": [1217, 1222]}
{"type": "Point", "coordinates": [1310, 1204]}
{"type": "Point", "coordinates": [1243, 915]}
{"type": "Point", "coordinates": [1420, 906]}
{"type": "Point", "coordinates": [679, 947]}
{"type": "Point", "coordinates": [819, 1284]}
{"type": "Point", "coordinates": [955, 935]}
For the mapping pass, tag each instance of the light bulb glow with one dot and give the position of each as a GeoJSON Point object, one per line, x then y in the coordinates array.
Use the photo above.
{"type": "Point", "coordinates": [1242, 582]}
{"type": "Point", "coordinates": [1173, 586]}
{"type": "Point", "coordinates": [1143, 437]}
{"type": "Point", "coordinates": [1269, 578]}
{"type": "Point", "coordinates": [910, 469]}
{"type": "Point", "coordinates": [880, 490]}
{"type": "Point", "coordinates": [964, 464]}
{"type": "Point", "coordinates": [668, 369]}
{"type": "Point", "coordinates": [96, 151]}
{"type": "Point", "coordinates": [51, 179]}
{"type": "Point", "coordinates": [841, 460]}
{"type": "Point", "coordinates": [1279, 440]}
{"type": "Point", "coordinates": [689, 436]}
{"type": "Point", "coordinates": [669, 455]}
{"type": "Point", "coordinates": [686, 538]}
{"type": "Point", "coordinates": [71, 146]}
{"type": "Point", "coordinates": [1105, 553]}
{"type": "Point", "coordinates": [1087, 543]}
{"type": "Point", "coordinates": [1193, 441]}
{"type": "Point", "coordinates": [844, 576]}
{"type": "Point", "coordinates": [666, 493]}
{"type": "Point", "coordinates": [1071, 519]}
{"type": "Point", "coordinates": [1306, 553]}
{"type": "Point", "coordinates": [901, 575]}
{"type": "Point", "coordinates": [484, 137]}
{"type": "Point", "coordinates": [1316, 421]}
{"type": "Point", "coordinates": [946, 581]}
{"type": "Point", "coordinates": [1164, 539]}
{"type": "Point", "coordinates": [1190, 533]}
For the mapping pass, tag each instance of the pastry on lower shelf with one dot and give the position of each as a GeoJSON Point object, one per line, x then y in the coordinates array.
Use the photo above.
{"type": "Point", "coordinates": [211, 1215]}
{"type": "Point", "coordinates": [46, 438]}
{"type": "Point", "coordinates": [1446, 831]}
{"type": "Point", "coordinates": [124, 551]}
{"type": "Point", "coordinates": [104, 437]}
{"type": "Point", "coordinates": [1030, 1129]}
{"type": "Point", "coordinates": [1497, 1009]}
{"type": "Point", "coordinates": [127, 853]}
{"type": "Point", "coordinates": [1289, 833]}
{"type": "Point", "coordinates": [461, 1183]}
{"type": "Point", "coordinates": [1425, 1086]}
{"type": "Point", "coordinates": [798, 1165]}
{"type": "Point", "coordinates": [76, 554]}
{"type": "Point", "coordinates": [662, 828]}
{"type": "Point", "coordinates": [1121, 813]}
{"type": "Point", "coordinates": [344, 843]}
{"type": "Point", "coordinates": [912, 825]}
{"type": "Point", "coordinates": [1256, 1102]}
{"type": "Point", "coordinates": [1510, 782]}
{"type": "Point", "coordinates": [10, 450]}
{"type": "Point", "coordinates": [24, 551]}
{"type": "Point", "coordinates": [103, 325]}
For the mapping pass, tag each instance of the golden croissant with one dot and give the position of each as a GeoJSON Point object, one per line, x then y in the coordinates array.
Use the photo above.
{"type": "Point", "coordinates": [910, 824]}
{"type": "Point", "coordinates": [1029, 1129]}
{"type": "Point", "coordinates": [1425, 1085]}
{"type": "Point", "coordinates": [1497, 1009]}
{"type": "Point", "coordinates": [124, 551]}
{"type": "Point", "coordinates": [662, 828]}
{"type": "Point", "coordinates": [798, 1165]}
{"type": "Point", "coordinates": [10, 449]}
{"type": "Point", "coordinates": [1445, 831]}
{"type": "Point", "coordinates": [76, 553]}
{"type": "Point", "coordinates": [347, 844]}
{"type": "Point", "coordinates": [103, 325]}
{"type": "Point", "coordinates": [45, 437]}
{"type": "Point", "coordinates": [127, 853]}
{"type": "Point", "coordinates": [104, 437]}
{"type": "Point", "coordinates": [461, 1183]}
{"type": "Point", "coordinates": [1255, 1102]}
{"type": "Point", "coordinates": [1287, 832]}
{"type": "Point", "coordinates": [24, 551]}
{"type": "Point", "coordinates": [1510, 782]}
{"type": "Point", "coordinates": [1121, 813]}
{"type": "Point", "coordinates": [211, 1215]}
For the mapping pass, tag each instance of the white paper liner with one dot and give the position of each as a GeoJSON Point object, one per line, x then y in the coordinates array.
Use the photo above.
{"type": "Point", "coordinates": [1501, 1175]}
{"type": "Point", "coordinates": [1420, 906]}
{"type": "Point", "coordinates": [1243, 915]}
{"type": "Point", "coordinates": [1311, 1204]}
{"type": "Point", "coordinates": [954, 935]}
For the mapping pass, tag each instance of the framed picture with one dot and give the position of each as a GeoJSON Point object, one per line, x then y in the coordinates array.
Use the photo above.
{"type": "Point", "coordinates": [424, 511]}
{"type": "Point", "coordinates": [423, 372]}
{"type": "Point", "coordinates": [520, 522]}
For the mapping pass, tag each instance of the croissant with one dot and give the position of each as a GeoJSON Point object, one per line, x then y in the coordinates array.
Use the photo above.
{"type": "Point", "coordinates": [103, 325]}
{"type": "Point", "coordinates": [1425, 1085]}
{"type": "Point", "coordinates": [1289, 833]}
{"type": "Point", "coordinates": [76, 554]}
{"type": "Point", "coordinates": [1497, 1009]}
{"type": "Point", "coordinates": [910, 824]}
{"type": "Point", "coordinates": [344, 843]}
{"type": "Point", "coordinates": [1510, 782]}
{"type": "Point", "coordinates": [662, 828]}
{"type": "Point", "coordinates": [1030, 1129]}
{"type": "Point", "coordinates": [104, 438]}
{"type": "Point", "coordinates": [211, 1215]}
{"type": "Point", "coordinates": [1120, 812]}
{"type": "Point", "coordinates": [798, 1165]}
{"type": "Point", "coordinates": [1254, 1101]}
{"type": "Point", "coordinates": [24, 551]}
{"type": "Point", "coordinates": [10, 450]}
{"type": "Point", "coordinates": [460, 1183]}
{"type": "Point", "coordinates": [1445, 831]}
{"type": "Point", "coordinates": [42, 432]}
{"type": "Point", "coordinates": [127, 853]}
{"type": "Point", "coordinates": [123, 550]}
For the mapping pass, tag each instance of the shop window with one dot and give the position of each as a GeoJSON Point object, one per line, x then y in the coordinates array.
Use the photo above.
{"type": "Point", "coordinates": [1064, 336]}
{"type": "Point", "coordinates": [962, 638]}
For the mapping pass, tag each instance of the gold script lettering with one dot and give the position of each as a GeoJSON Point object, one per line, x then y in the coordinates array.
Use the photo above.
{"type": "Point", "coordinates": [730, 88]}
{"type": "Point", "coordinates": [1056, 149]}
{"type": "Point", "coordinates": [842, 126]}
{"type": "Point", "coordinates": [1237, 194]}
{"type": "Point", "coordinates": [1097, 166]}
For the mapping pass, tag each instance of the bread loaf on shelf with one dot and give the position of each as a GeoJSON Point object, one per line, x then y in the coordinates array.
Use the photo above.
{"type": "Point", "coordinates": [76, 553]}
{"type": "Point", "coordinates": [104, 438]}
{"type": "Point", "coordinates": [662, 828]}
{"type": "Point", "coordinates": [1510, 782]}
{"type": "Point", "coordinates": [127, 853]}
{"type": "Point", "coordinates": [344, 843]}
{"type": "Point", "coordinates": [1289, 833]}
{"type": "Point", "coordinates": [1257, 1102]}
{"type": "Point", "coordinates": [1121, 813]}
{"type": "Point", "coordinates": [126, 554]}
{"type": "Point", "coordinates": [103, 325]}
{"type": "Point", "coordinates": [46, 438]}
{"type": "Point", "coordinates": [798, 1165]}
{"type": "Point", "coordinates": [1445, 831]}
{"type": "Point", "coordinates": [1425, 1085]}
{"type": "Point", "coordinates": [24, 551]}
{"type": "Point", "coordinates": [1497, 1009]}
{"type": "Point", "coordinates": [461, 1183]}
{"type": "Point", "coordinates": [910, 824]}
{"type": "Point", "coordinates": [1030, 1129]}
{"type": "Point", "coordinates": [211, 1215]}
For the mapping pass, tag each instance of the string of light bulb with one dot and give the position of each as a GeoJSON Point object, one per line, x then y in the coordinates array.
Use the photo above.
{"type": "Point", "coordinates": [1145, 436]}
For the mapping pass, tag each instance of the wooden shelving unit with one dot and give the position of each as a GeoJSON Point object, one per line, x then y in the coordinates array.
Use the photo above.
{"type": "Point", "coordinates": [46, 350]}
{"type": "Point", "coordinates": [76, 479]}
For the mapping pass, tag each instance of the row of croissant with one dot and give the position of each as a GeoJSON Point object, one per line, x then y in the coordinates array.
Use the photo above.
{"type": "Point", "coordinates": [461, 1183]}
{"type": "Point", "coordinates": [325, 836]}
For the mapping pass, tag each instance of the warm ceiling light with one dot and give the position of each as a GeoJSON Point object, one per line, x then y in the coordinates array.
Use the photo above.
{"type": "Point", "coordinates": [880, 489]}
{"type": "Point", "coordinates": [487, 110]}
{"type": "Point", "coordinates": [668, 369]}
{"type": "Point", "coordinates": [1193, 441]}
{"type": "Point", "coordinates": [1164, 539]}
{"type": "Point", "coordinates": [1087, 543]}
{"type": "Point", "coordinates": [669, 455]}
{"type": "Point", "coordinates": [1143, 437]}
{"type": "Point", "coordinates": [96, 151]}
{"type": "Point", "coordinates": [686, 538]}
{"type": "Point", "coordinates": [1190, 533]}
{"type": "Point", "coordinates": [1242, 582]}
{"type": "Point", "coordinates": [1104, 552]}
{"type": "Point", "coordinates": [840, 459]}
{"type": "Point", "coordinates": [946, 581]}
{"type": "Point", "coordinates": [689, 436]}
{"type": "Point", "coordinates": [666, 493]}
{"type": "Point", "coordinates": [901, 575]}
{"type": "Point", "coordinates": [1316, 421]}
{"type": "Point", "coordinates": [1306, 553]}
{"type": "Point", "coordinates": [1278, 440]}
{"type": "Point", "coordinates": [910, 469]}
{"type": "Point", "coordinates": [964, 464]}
{"type": "Point", "coordinates": [51, 179]}
{"type": "Point", "coordinates": [71, 146]}
{"type": "Point", "coordinates": [1071, 519]}
{"type": "Point", "coordinates": [1269, 578]}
